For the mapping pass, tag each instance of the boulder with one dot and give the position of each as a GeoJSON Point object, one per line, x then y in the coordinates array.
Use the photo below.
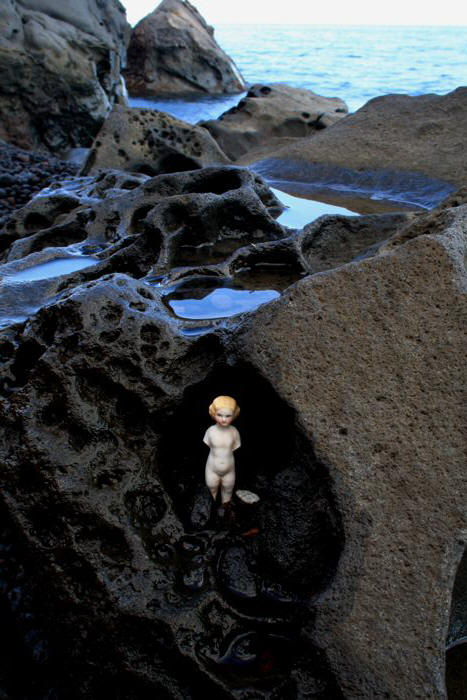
{"type": "Point", "coordinates": [151, 142]}
{"type": "Point", "coordinates": [270, 113]}
{"type": "Point", "coordinates": [395, 133]}
{"type": "Point", "coordinates": [172, 51]}
{"type": "Point", "coordinates": [115, 577]}
{"type": "Point", "coordinates": [369, 356]}
{"type": "Point", "coordinates": [60, 70]}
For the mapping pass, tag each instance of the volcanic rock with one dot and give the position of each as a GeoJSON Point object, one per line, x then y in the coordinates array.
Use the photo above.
{"type": "Point", "coordinates": [419, 135]}
{"type": "Point", "coordinates": [60, 70]}
{"type": "Point", "coordinates": [151, 142]}
{"type": "Point", "coordinates": [370, 356]}
{"type": "Point", "coordinates": [23, 174]}
{"type": "Point", "coordinates": [270, 113]}
{"type": "Point", "coordinates": [172, 51]}
{"type": "Point", "coordinates": [131, 223]}
{"type": "Point", "coordinates": [116, 578]}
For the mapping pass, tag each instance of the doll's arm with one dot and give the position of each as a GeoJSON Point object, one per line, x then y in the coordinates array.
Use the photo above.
{"type": "Point", "coordinates": [237, 441]}
{"type": "Point", "coordinates": [206, 438]}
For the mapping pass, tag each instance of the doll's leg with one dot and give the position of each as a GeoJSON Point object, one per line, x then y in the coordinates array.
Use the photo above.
{"type": "Point", "coordinates": [227, 487]}
{"type": "Point", "coordinates": [213, 481]}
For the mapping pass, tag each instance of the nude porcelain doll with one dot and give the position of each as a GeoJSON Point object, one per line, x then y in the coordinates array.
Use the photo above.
{"type": "Point", "coordinates": [222, 439]}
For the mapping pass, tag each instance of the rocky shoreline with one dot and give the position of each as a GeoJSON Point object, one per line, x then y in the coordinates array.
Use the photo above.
{"type": "Point", "coordinates": [348, 579]}
{"type": "Point", "coordinates": [24, 173]}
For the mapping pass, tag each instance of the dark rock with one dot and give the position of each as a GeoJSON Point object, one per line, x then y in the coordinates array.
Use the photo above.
{"type": "Point", "coordinates": [60, 70]}
{"type": "Point", "coordinates": [349, 390]}
{"type": "Point", "coordinates": [269, 114]}
{"type": "Point", "coordinates": [413, 135]}
{"type": "Point", "coordinates": [151, 142]}
{"type": "Point", "coordinates": [172, 51]}
{"type": "Point", "coordinates": [39, 171]}
{"type": "Point", "coordinates": [235, 574]}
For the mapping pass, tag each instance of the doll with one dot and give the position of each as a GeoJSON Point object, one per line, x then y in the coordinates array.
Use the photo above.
{"type": "Point", "coordinates": [222, 439]}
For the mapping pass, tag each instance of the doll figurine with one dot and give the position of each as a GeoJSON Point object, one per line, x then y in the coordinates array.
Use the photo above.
{"type": "Point", "coordinates": [222, 439]}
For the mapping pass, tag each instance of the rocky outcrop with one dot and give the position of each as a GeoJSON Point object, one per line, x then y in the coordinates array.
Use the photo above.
{"type": "Point", "coordinates": [172, 51]}
{"type": "Point", "coordinates": [423, 135]}
{"type": "Point", "coordinates": [369, 357]}
{"type": "Point", "coordinates": [60, 70]}
{"type": "Point", "coordinates": [151, 142]}
{"type": "Point", "coordinates": [338, 585]}
{"type": "Point", "coordinates": [270, 113]}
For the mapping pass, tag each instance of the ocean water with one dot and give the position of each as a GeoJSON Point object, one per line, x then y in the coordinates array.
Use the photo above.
{"type": "Point", "coordinates": [353, 63]}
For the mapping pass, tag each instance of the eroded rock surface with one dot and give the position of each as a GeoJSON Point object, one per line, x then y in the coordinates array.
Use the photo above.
{"type": "Point", "coordinates": [173, 51]}
{"type": "Point", "coordinates": [270, 113]}
{"type": "Point", "coordinates": [60, 70]}
{"type": "Point", "coordinates": [369, 356]}
{"type": "Point", "coordinates": [338, 583]}
{"type": "Point", "coordinates": [423, 134]}
{"type": "Point", "coordinates": [163, 605]}
{"type": "Point", "coordinates": [151, 142]}
{"type": "Point", "coordinates": [143, 226]}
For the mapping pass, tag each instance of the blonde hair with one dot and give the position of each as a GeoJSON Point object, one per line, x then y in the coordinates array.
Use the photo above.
{"type": "Point", "coordinates": [224, 402]}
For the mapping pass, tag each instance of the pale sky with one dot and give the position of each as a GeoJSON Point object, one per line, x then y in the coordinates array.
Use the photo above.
{"type": "Point", "coordinates": [411, 12]}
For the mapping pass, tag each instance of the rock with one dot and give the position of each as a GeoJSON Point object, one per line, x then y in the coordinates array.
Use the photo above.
{"type": "Point", "coordinates": [124, 223]}
{"type": "Point", "coordinates": [236, 575]}
{"type": "Point", "coordinates": [351, 429]}
{"type": "Point", "coordinates": [369, 357]}
{"type": "Point", "coordinates": [172, 51]}
{"type": "Point", "coordinates": [18, 168]}
{"type": "Point", "coordinates": [60, 70]}
{"type": "Point", "coordinates": [270, 113]}
{"type": "Point", "coordinates": [410, 135]}
{"type": "Point", "coordinates": [129, 582]}
{"type": "Point", "coordinates": [151, 142]}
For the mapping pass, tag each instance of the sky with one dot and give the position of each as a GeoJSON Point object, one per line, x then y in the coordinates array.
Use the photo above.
{"type": "Point", "coordinates": [399, 12]}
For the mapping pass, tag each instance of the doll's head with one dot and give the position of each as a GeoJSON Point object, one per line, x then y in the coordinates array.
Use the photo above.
{"type": "Point", "coordinates": [224, 410]}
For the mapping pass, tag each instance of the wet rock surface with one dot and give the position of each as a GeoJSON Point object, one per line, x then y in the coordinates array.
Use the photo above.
{"type": "Point", "coordinates": [60, 70]}
{"type": "Point", "coordinates": [419, 135]}
{"type": "Point", "coordinates": [185, 234]}
{"type": "Point", "coordinates": [269, 113]}
{"type": "Point", "coordinates": [151, 142]}
{"type": "Point", "coordinates": [106, 488]}
{"type": "Point", "coordinates": [172, 51]}
{"type": "Point", "coordinates": [112, 548]}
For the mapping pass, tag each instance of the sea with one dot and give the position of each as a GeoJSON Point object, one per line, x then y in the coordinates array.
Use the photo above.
{"type": "Point", "coordinates": [355, 63]}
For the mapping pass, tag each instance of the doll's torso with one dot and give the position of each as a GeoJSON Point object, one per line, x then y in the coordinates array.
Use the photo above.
{"type": "Point", "coordinates": [222, 441]}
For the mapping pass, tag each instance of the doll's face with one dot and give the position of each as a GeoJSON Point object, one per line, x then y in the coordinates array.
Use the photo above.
{"type": "Point", "coordinates": [223, 416]}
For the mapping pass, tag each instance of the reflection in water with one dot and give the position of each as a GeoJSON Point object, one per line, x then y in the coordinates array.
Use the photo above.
{"type": "Point", "coordinates": [219, 303]}
{"type": "Point", "coordinates": [302, 211]}
{"type": "Point", "coordinates": [52, 268]}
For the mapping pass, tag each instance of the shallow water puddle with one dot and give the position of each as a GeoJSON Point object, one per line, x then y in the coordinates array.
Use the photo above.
{"type": "Point", "coordinates": [53, 268]}
{"type": "Point", "coordinates": [206, 298]}
{"type": "Point", "coordinates": [302, 211]}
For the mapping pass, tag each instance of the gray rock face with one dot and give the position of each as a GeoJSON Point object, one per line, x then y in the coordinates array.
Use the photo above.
{"type": "Point", "coordinates": [60, 70]}
{"type": "Point", "coordinates": [423, 134]}
{"type": "Point", "coordinates": [270, 113]}
{"type": "Point", "coordinates": [369, 356]}
{"type": "Point", "coordinates": [172, 51]}
{"type": "Point", "coordinates": [164, 596]}
{"type": "Point", "coordinates": [151, 142]}
{"type": "Point", "coordinates": [338, 583]}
